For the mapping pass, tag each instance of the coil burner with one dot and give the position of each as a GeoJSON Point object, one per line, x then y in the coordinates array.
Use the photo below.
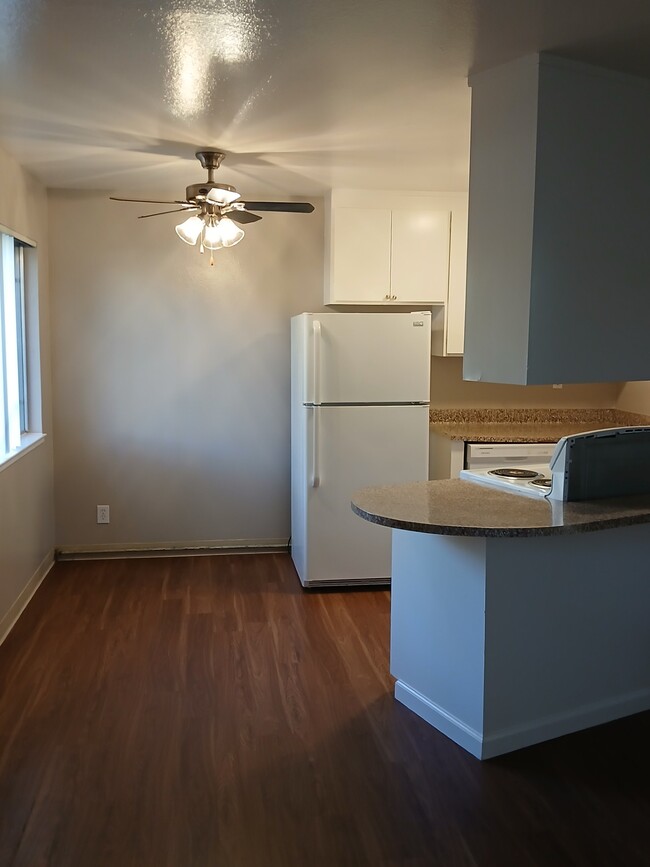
{"type": "Point", "coordinates": [514, 473]}
{"type": "Point", "coordinates": [542, 482]}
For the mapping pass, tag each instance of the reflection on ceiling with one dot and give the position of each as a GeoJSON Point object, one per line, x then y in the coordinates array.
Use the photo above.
{"type": "Point", "coordinates": [302, 95]}
{"type": "Point", "coordinates": [204, 38]}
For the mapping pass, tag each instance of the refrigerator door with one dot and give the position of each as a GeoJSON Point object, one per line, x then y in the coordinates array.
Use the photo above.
{"type": "Point", "coordinates": [365, 358]}
{"type": "Point", "coordinates": [347, 448]}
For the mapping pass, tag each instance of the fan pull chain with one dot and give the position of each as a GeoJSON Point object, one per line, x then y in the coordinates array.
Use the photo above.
{"type": "Point", "coordinates": [211, 259]}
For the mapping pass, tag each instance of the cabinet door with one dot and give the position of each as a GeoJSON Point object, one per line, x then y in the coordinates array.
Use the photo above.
{"type": "Point", "coordinates": [360, 244]}
{"type": "Point", "coordinates": [420, 255]}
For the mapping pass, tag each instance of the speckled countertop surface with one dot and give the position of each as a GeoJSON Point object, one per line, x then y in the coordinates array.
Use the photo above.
{"type": "Point", "coordinates": [526, 425]}
{"type": "Point", "coordinates": [454, 507]}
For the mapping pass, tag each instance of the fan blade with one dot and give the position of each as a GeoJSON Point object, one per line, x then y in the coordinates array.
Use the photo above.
{"type": "Point", "coordinates": [152, 201]}
{"type": "Point", "coordinates": [288, 207]}
{"type": "Point", "coordinates": [160, 213]}
{"type": "Point", "coordinates": [239, 216]}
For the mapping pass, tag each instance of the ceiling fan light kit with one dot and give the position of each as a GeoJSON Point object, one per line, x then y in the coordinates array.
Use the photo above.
{"type": "Point", "coordinates": [220, 208]}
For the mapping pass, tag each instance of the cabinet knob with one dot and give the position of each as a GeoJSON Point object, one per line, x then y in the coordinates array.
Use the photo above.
{"type": "Point", "coordinates": [386, 297]}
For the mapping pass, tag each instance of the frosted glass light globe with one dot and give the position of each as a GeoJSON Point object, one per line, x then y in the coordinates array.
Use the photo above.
{"type": "Point", "coordinates": [212, 236]}
{"type": "Point", "coordinates": [231, 234]}
{"type": "Point", "coordinates": [190, 230]}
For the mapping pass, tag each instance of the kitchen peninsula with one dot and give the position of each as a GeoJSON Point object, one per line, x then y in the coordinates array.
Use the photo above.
{"type": "Point", "coordinates": [515, 620]}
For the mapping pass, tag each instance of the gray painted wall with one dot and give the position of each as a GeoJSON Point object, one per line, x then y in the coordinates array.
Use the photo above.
{"type": "Point", "coordinates": [171, 378]}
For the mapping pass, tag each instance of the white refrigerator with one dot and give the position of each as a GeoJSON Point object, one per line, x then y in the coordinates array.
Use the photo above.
{"type": "Point", "coordinates": [359, 416]}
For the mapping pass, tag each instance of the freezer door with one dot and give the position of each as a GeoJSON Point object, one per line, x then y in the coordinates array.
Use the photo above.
{"type": "Point", "coordinates": [366, 357]}
{"type": "Point", "coordinates": [348, 448]}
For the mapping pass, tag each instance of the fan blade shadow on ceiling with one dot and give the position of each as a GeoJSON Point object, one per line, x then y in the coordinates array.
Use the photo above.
{"type": "Point", "coordinates": [101, 157]}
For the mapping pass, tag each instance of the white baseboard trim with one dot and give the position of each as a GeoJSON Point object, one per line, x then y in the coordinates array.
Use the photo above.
{"type": "Point", "coordinates": [574, 720]}
{"type": "Point", "coordinates": [439, 718]}
{"type": "Point", "coordinates": [518, 737]}
{"type": "Point", "coordinates": [10, 618]}
{"type": "Point", "coordinates": [122, 550]}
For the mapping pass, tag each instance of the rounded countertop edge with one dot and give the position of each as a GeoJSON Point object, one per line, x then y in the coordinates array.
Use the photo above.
{"type": "Point", "coordinates": [456, 507]}
{"type": "Point", "coordinates": [506, 437]}
{"type": "Point", "coordinates": [496, 532]}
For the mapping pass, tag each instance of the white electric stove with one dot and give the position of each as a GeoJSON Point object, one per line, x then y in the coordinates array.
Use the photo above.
{"type": "Point", "coordinates": [613, 462]}
{"type": "Point", "coordinates": [533, 480]}
{"type": "Point", "coordinates": [520, 468]}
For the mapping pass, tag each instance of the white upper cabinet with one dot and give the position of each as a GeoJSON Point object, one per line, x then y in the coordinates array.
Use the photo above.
{"type": "Point", "coordinates": [419, 265]}
{"type": "Point", "coordinates": [388, 248]}
{"type": "Point", "coordinates": [361, 253]}
{"type": "Point", "coordinates": [558, 267]}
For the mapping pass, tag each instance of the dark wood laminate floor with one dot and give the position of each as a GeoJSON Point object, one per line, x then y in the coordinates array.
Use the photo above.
{"type": "Point", "coordinates": [204, 711]}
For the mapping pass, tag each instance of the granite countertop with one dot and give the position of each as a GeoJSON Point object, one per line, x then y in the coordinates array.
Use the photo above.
{"type": "Point", "coordinates": [526, 425]}
{"type": "Point", "coordinates": [455, 507]}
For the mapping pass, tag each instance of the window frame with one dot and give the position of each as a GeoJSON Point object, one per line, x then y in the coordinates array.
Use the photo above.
{"type": "Point", "coordinates": [20, 303]}
{"type": "Point", "coordinates": [21, 333]}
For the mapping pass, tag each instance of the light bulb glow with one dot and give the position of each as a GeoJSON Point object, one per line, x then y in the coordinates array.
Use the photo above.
{"type": "Point", "coordinates": [221, 197]}
{"type": "Point", "coordinates": [190, 230]}
{"type": "Point", "coordinates": [212, 236]}
{"type": "Point", "coordinates": [231, 234]}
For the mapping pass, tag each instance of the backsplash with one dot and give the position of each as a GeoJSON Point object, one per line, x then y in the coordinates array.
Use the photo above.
{"type": "Point", "coordinates": [449, 389]}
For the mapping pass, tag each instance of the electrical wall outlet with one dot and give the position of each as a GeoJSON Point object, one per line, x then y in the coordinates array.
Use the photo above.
{"type": "Point", "coordinates": [557, 385]}
{"type": "Point", "coordinates": [103, 514]}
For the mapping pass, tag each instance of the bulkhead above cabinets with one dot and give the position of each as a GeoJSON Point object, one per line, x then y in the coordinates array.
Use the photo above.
{"type": "Point", "coordinates": [387, 249]}
{"type": "Point", "coordinates": [558, 270]}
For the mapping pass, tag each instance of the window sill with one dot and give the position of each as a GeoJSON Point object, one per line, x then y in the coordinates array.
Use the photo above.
{"type": "Point", "coordinates": [28, 442]}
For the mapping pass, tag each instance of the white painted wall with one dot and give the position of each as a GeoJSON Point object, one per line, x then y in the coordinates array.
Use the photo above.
{"type": "Point", "coordinates": [171, 378]}
{"type": "Point", "coordinates": [26, 492]}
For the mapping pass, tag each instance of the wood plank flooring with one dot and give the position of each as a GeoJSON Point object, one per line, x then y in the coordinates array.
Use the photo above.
{"type": "Point", "coordinates": [207, 712]}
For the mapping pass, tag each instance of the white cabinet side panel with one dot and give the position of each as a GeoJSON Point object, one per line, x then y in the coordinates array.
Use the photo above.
{"type": "Point", "coordinates": [439, 457]}
{"type": "Point", "coordinates": [455, 330]}
{"type": "Point", "coordinates": [500, 231]}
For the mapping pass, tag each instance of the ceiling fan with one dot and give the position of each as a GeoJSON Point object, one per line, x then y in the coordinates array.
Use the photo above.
{"type": "Point", "coordinates": [217, 210]}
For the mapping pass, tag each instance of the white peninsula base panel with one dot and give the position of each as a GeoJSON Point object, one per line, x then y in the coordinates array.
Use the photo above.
{"type": "Point", "coordinates": [501, 643]}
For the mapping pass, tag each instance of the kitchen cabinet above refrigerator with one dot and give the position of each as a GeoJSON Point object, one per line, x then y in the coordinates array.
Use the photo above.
{"type": "Point", "coordinates": [558, 270]}
{"type": "Point", "coordinates": [388, 249]}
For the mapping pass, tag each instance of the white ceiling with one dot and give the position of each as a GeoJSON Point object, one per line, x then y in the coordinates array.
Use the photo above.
{"type": "Point", "coordinates": [303, 95]}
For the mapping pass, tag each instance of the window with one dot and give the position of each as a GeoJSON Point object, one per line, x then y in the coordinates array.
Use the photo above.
{"type": "Point", "coordinates": [17, 363]}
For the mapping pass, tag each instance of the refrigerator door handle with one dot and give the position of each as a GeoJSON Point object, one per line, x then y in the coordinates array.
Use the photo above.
{"type": "Point", "coordinates": [316, 346]}
{"type": "Point", "coordinates": [315, 446]}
